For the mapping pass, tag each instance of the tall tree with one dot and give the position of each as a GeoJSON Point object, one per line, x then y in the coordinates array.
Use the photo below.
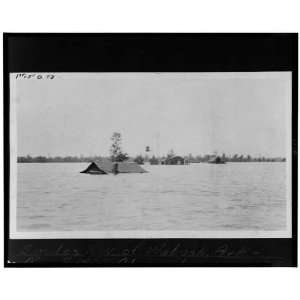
{"type": "Point", "coordinates": [116, 153]}
{"type": "Point", "coordinates": [170, 154]}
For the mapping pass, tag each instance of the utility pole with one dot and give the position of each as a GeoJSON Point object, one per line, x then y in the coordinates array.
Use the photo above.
{"type": "Point", "coordinates": [147, 150]}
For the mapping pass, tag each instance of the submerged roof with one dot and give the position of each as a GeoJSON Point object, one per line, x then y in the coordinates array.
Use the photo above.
{"type": "Point", "coordinates": [105, 165]}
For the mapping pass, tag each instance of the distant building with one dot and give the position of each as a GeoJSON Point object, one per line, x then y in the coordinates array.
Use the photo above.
{"type": "Point", "coordinates": [175, 160]}
{"type": "Point", "coordinates": [216, 160]}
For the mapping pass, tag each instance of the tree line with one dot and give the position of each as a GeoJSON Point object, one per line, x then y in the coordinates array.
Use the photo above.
{"type": "Point", "coordinates": [117, 155]}
{"type": "Point", "coordinates": [141, 159]}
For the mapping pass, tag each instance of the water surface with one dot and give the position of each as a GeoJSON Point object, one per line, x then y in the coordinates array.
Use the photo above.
{"type": "Point", "coordinates": [234, 196]}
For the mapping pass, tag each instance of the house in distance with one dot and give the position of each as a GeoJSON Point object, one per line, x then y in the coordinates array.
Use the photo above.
{"type": "Point", "coordinates": [175, 160]}
{"type": "Point", "coordinates": [216, 160]}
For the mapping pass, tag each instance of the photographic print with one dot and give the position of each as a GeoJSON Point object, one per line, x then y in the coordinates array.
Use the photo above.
{"type": "Point", "coordinates": [150, 149]}
{"type": "Point", "coordinates": [150, 155]}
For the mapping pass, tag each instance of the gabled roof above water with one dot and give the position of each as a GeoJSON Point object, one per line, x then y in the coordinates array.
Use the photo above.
{"type": "Point", "coordinates": [106, 166]}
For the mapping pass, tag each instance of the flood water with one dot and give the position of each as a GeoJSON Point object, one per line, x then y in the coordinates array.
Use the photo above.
{"type": "Point", "coordinates": [234, 196]}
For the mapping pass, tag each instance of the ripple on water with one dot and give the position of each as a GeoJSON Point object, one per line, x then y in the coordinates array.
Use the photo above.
{"type": "Point", "coordinates": [38, 226]}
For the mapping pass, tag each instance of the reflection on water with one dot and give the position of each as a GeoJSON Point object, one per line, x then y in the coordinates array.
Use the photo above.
{"type": "Point", "coordinates": [234, 196]}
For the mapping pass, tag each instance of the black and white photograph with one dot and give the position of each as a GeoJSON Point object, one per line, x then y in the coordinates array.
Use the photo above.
{"type": "Point", "coordinates": [137, 150]}
{"type": "Point", "coordinates": [150, 155]}
{"type": "Point", "coordinates": [150, 150]}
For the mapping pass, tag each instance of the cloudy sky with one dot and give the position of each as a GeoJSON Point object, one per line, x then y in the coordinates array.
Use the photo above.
{"type": "Point", "coordinates": [198, 113]}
